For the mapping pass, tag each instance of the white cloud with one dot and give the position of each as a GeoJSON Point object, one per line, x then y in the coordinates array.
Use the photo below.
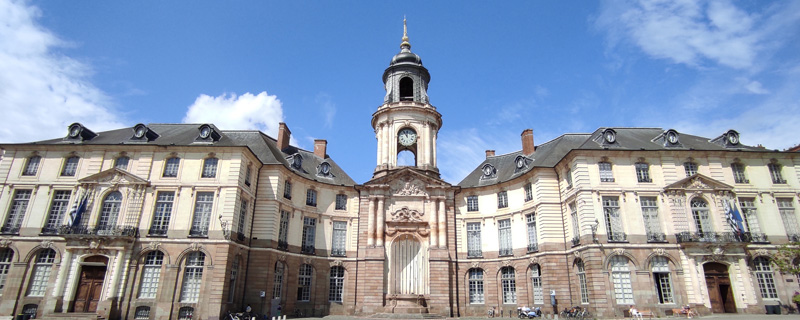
{"type": "Point", "coordinates": [41, 91]}
{"type": "Point", "coordinates": [231, 112]}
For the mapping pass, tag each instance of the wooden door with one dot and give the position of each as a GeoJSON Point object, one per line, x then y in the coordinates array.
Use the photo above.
{"type": "Point", "coordinates": [89, 288]}
{"type": "Point", "coordinates": [714, 295]}
{"type": "Point", "coordinates": [719, 288]}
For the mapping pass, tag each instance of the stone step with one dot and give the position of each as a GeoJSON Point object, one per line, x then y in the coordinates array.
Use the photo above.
{"type": "Point", "coordinates": [406, 316]}
{"type": "Point", "coordinates": [73, 316]}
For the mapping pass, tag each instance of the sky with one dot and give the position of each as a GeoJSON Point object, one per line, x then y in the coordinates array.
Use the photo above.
{"type": "Point", "coordinates": [496, 68]}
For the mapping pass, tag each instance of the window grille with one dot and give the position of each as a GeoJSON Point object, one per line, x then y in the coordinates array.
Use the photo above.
{"type": "Point", "coordinates": [650, 216]}
{"type": "Point", "coordinates": [606, 175]}
{"type": "Point", "coordinates": [202, 214]}
{"type": "Point", "coordinates": [30, 309]}
{"type": "Point", "coordinates": [58, 208]}
{"type": "Point", "coordinates": [766, 281]}
{"type": "Point", "coordinates": [304, 283]}
{"type": "Point", "coordinates": [787, 215]}
{"type": "Point", "coordinates": [309, 230]}
{"type": "Point", "coordinates": [41, 273]}
{"type": "Point", "coordinates": [690, 168]}
{"type": "Point", "coordinates": [533, 242]}
{"type": "Point", "coordinates": [528, 192]}
{"type": "Point", "coordinates": [643, 172]}
{"type": "Point", "coordinates": [277, 284]}
{"type": "Point", "coordinates": [613, 219]}
{"type": "Point", "coordinates": [339, 237]}
{"type": "Point", "coordinates": [32, 166]}
{"type": "Point", "coordinates": [661, 276]}
{"type": "Point", "coordinates": [474, 240]}
{"type": "Point", "coordinates": [536, 283]}
{"type": "Point", "coordinates": [122, 163]}
{"type": "Point", "coordinates": [502, 199]}
{"type": "Point", "coordinates": [775, 173]}
{"type": "Point", "coordinates": [582, 280]}
{"type": "Point", "coordinates": [311, 197]}
{"type": "Point", "coordinates": [142, 313]}
{"type": "Point", "coordinates": [17, 211]}
{"type": "Point", "coordinates": [151, 274]}
{"type": "Point", "coordinates": [504, 232]}
{"type": "Point", "coordinates": [185, 313]}
{"type": "Point", "coordinates": [476, 286]}
{"type": "Point", "coordinates": [171, 167]}
{"type": "Point", "coordinates": [509, 284]}
{"type": "Point", "coordinates": [472, 203]}
{"type": "Point", "coordinates": [336, 284]}
{"type": "Point", "coordinates": [6, 255]}
{"type": "Point", "coordinates": [341, 202]}
{"type": "Point", "coordinates": [209, 168]}
{"type": "Point", "coordinates": [70, 167]}
{"type": "Point", "coordinates": [162, 213]}
{"type": "Point", "coordinates": [192, 277]}
{"type": "Point", "coordinates": [621, 277]}
{"type": "Point", "coordinates": [738, 173]}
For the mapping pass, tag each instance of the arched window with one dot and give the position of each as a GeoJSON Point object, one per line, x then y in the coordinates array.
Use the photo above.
{"type": "Point", "coordinates": [277, 286]}
{"type": "Point", "coordinates": [476, 286]}
{"type": "Point", "coordinates": [41, 273]}
{"type": "Point", "coordinates": [582, 280]}
{"type": "Point", "coordinates": [700, 213]}
{"type": "Point", "coordinates": [406, 158]}
{"type": "Point", "coordinates": [304, 283]}
{"type": "Point", "coordinates": [151, 274]}
{"type": "Point", "coordinates": [192, 277]}
{"type": "Point", "coordinates": [509, 284]}
{"type": "Point", "coordinates": [337, 284]}
{"type": "Point", "coordinates": [621, 277]}
{"type": "Point", "coordinates": [766, 280]}
{"type": "Point", "coordinates": [536, 283]}
{"type": "Point", "coordinates": [232, 279]}
{"type": "Point", "coordinates": [122, 163]}
{"type": "Point", "coordinates": [171, 167]}
{"type": "Point", "coordinates": [110, 212]}
{"type": "Point", "coordinates": [661, 277]}
{"type": "Point", "coordinates": [185, 313]}
{"type": "Point", "coordinates": [406, 89]}
{"type": "Point", "coordinates": [5, 264]}
{"type": "Point", "coordinates": [209, 168]}
{"type": "Point", "coordinates": [32, 166]}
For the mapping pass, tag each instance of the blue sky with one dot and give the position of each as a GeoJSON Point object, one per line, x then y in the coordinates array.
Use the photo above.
{"type": "Point", "coordinates": [497, 68]}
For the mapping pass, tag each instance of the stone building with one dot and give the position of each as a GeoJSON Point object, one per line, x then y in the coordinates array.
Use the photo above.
{"type": "Point", "coordinates": [187, 221]}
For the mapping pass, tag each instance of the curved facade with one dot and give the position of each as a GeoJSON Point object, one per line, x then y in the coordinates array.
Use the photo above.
{"type": "Point", "coordinates": [180, 221]}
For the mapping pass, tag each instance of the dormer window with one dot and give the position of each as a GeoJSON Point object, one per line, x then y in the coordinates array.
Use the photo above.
{"type": "Point", "coordinates": [296, 161]}
{"type": "Point", "coordinates": [609, 136]}
{"type": "Point", "coordinates": [520, 163]}
{"type": "Point", "coordinates": [324, 170]}
{"type": "Point", "coordinates": [208, 134]}
{"type": "Point", "coordinates": [77, 131]}
{"type": "Point", "coordinates": [733, 137]}
{"type": "Point", "coordinates": [143, 133]}
{"type": "Point", "coordinates": [489, 171]}
{"type": "Point", "coordinates": [672, 138]}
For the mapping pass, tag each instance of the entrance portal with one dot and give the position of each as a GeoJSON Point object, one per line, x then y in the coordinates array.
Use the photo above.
{"type": "Point", "coordinates": [719, 288]}
{"type": "Point", "coordinates": [408, 274]}
{"type": "Point", "coordinates": [90, 284]}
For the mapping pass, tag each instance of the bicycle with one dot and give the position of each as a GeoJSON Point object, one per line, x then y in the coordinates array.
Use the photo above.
{"type": "Point", "coordinates": [232, 316]}
{"type": "Point", "coordinates": [490, 313]}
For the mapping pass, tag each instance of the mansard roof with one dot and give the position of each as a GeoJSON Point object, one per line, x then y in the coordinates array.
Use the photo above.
{"type": "Point", "coordinates": [549, 154]}
{"type": "Point", "coordinates": [263, 147]}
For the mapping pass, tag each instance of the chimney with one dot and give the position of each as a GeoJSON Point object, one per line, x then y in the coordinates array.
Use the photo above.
{"type": "Point", "coordinates": [489, 153]}
{"type": "Point", "coordinates": [527, 142]}
{"type": "Point", "coordinates": [320, 147]}
{"type": "Point", "coordinates": [283, 136]}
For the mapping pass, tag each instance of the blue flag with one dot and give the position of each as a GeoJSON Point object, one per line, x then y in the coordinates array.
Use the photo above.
{"type": "Point", "coordinates": [737, 217]}
{"type": "Point", "coordinates": [76, 212]}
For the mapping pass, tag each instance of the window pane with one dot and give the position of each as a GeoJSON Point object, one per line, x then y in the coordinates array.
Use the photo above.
{"type": "Point", "coordinates": [336, 284]}
{"type": "Point", "coordinates": [616, 232]}
{"type": "Point", "coordinates": [502, 199]}
{"type": "Point", "coordinates": [121, 163]}
{"type": "Point", "coordinates": [304, 283]}
{"type": "Point", "coordinates": [171, 167]}
{"type": "Point", "coordinates": [472, 203]}
{"type": "Point", "coordinates": [41, 273]}
{"type": "Point", "coordinates": [5, 264]}
{"type": "Point", "coordinates": [162, 212]}
{"type": "Point", "coordinates": [341, 202]}
{"type": "Point", "coordinates": [278, 282]}
{"type": "Point", "coordinates": [621, 277]}
{"type": "Point", "coordinates": [192, 277]}
{"type": "Point", "coordinates": [606, 175]}
{"type": "Point", "coordinates": [509, 285]}
{"type": "Point", "coordinates": [151, 273]}
{"type": "Point", "coordinates": [17, 211]}
{"type": "Point", "coordinates": [202, 213]}
{"type": "Point", "coordinates": [536, 283]}
{"type": "Point", "coordinates": [209, 168]}
{"type": "Point", "coordinates": [476, 286]}
{"type": "Point", "coordinates": [57, 210]}
{"type": "Point", "coordinates": [474, 239]}
{"type": "Point", "coordinates": [504, 230]}
{"type": "Point", "coordinates": [32, 166]}
{"type": "Point", "coordinates": [70, 167]}
{"type": "Point", "coordinates": [339, 236]}
{"type": "Point", "coordinates": [643, 172]}
{"type": "Point", "coordinates": [110, 211]}
{"type": "Point", "coordinates": [309, 231]}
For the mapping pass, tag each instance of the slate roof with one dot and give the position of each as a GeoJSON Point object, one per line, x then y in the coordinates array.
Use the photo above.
{"type": "Point", "coordinates": [550, 153]}
{"type": "Point", "coordinates": [263, 147]}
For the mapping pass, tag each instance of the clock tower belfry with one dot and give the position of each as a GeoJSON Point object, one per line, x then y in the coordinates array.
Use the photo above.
{"type": "Point", "coordinates": [406, 121]}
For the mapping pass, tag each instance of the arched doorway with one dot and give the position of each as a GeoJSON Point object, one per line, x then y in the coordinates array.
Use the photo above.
{"type": "Point", "coordinates": [719, 288]}
{"type": "Point", "coordinates": [90, 284]}
{"type": "Point", "coordinates": [409, 264]}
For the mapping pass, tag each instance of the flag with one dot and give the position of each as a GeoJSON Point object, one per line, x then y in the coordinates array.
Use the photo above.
{"type": "Point", "coordinates": [77, 210]}
{"type": "Point", "coordinates": [738, 218]}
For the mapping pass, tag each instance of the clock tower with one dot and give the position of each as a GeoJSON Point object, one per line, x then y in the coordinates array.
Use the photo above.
{"type": "Point", "coordinates": [406, 121]}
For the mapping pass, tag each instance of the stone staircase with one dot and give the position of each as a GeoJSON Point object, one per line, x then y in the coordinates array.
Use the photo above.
{"type": "Point", "coordinates": [406, 316]}
{"type": "Point", "coordinates": [73, 316]}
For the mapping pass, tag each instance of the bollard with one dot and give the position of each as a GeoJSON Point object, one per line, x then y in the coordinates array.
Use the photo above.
{"type": "Point", "coordinates": [273, 318]}
{"type": "Point", "coordinates": [284, 317]}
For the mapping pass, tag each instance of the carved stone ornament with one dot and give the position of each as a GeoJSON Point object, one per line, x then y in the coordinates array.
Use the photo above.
{"type": "Point", "coordinates": [336, 263]}
{"type": "Point", "coordinates": [762, 252]}
{"type": "Point", "coordinates": [195, 246]}
{"type": "Point", "coordinates": [506, 263]}
{"type": "Point", "coordinates": [47, 244]}
{"type": "Point", "coordinates": [475, 264]}
{"type": "Point", "coordinates": [717, 254]}
{"type": "Point", "coordinates": [533, 260]}
{"type": "Point", "coordinates": [154, 245]}
{"type": "Point", "coordinates": [307, 260]}
{"type": "Point", "coordinates": [282, 258]}
{"type": "Point", "coordinates": [619, 251]}
{"type": "Point", "coordinates": [94, 245]}
{"type": "Point", "coordinates": [4, 243]}
{"type": "Point", "coordinates": [410, 189]}
{"type": "Point", "coordinates": [577, 254]}
{"type": "Point", "coordinates": [696, 183]}
{"type": "Point", "coordinates": [407, 215]}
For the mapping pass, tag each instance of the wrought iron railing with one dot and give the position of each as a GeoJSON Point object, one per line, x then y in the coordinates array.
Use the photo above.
{"type": "Point", "coordinates": [338, 252]}
{"type": "Point", "coordinates": [534, 247]}
{"type": "Point", "coordinates": [474, 253]}
{"type": "Point", "coordinates": [656, 237]}
{"type": "Point", "coordinates": [9, 230]}
{"type": "Point", "coordinates": [617, 237]}
{"type": "Point", "coordinates": [110, 231]}
{"type": "Point", "coordinates": [576, 241]}
{"type": "Point", "coordinates": [721, 237]}
{"type": "Point", "coordinates": [756, 237]}
{"type": "Point", "coordinates": [198, 232]}
{"type": "Point", "coordinates": [505, 252]}
{"type": "Point", "coordinates": [50, 230]}
{"type": "Point", "coordinates": [157, 231]}
{"type": "Point", "coordinates": [308, 249]}
{"type": "Point", "coordinates": [283, 245]}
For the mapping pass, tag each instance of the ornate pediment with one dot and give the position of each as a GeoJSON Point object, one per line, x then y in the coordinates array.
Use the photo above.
{"type": "Point", "coordinates": [114, 176]}
{"type": "Point", "coordinates": [406, 175]}
{"type": "Point", "coordinates": [407, 215]}
{"type": "Point", "coordinates": [698, 182]}
{"type": "Point", "coordinates": [409, 188]}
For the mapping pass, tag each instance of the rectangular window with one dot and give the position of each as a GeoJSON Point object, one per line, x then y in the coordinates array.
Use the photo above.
{"type": "Point", "coordinates": [613, 219]}
{"type": "Point", "coordinates": [121, 163]}
{"type": "Point", "coordinates": [569, 178]}
{"type": "Point", "coordinates": [750, 214]}
{"type": "Point", "coordinates": [573, 213]}
{"type": "Point", "coordinates": [650, 215]}
{"type": "Point", "coordinates": [528, 192]}
{"type": "Point", "coordinates": [277, 285]}
{"type": "Point", "coordinates": [504, 232]}
{"type": "Point", "coordinates": [789, 219]}
{"type": "Point", "coordinates": [304, 283]}
{"type": "Point", "coordinates": [5, 264]}
{"type": "Point", "coordinates": [766, 280]}
{"type": "Point", "coordinates": [472, 203]}
{"type": "Point", "coordinates": [341, 202]}
{"type": "Point", "coordinates": [339, 238]}
{"type": "Point", "coordinates": [202, 214]}
{"type": "Point", "coordinates": [660, 268]}
{"type": "Point", "coordinates": [70, 167]}
{"type": "Point", "coordinates": [690, 168]}
{"type": "Point", "coordinates": [738, 173]}
{"type": "Point", "coordinates": [606, 175]}
{"type": "Point", "coordinates": [151, 272]}
{"type": "Point", "coordinates": [232, 280]}
{"type": "Point", "coordinates": [474, 240]}
{"type": "Point", "coordinates": [242, 217]}
{"type": "Point", "coordinates": [17, 211]}
{"type": "Point", "coordinates": [247, 174]}
{"type": "Point", "coordinates": [192, 277]}
{"type": "Point", "coordinates": [171, 167]}
{"type": "Point", "coordinates": [32, 166]}
{"type": "Point", "coordinates": [209, 168]}
{"type": "Point", "coordinates": [476, 286]}
{"type": "Point", "coordinates": [309, 230]}
{"type": "Point", "coordinates": [533, 243]}
{"type": "Point", "coordinates": [58, 208]}
{"type": "Point", "coordinates": [621, 278]}
{"type": "Point", "coordinates": [643, 172]}
{"type": "Point", "coordinates": [283, 230]}
{"type": "Point", "coordinates": [536, 283]}
{"type": "Point", "coordinates": [311, 197]}
{"type": "Point", "coordinates": [509, 284]}
{"type": "Point", "coordinates": [287, 189]}
{"type": "Point", "coordinates": [775, 173]}
{"type": "Point", "coordinates": [162, 213]}
{"type": "Point", "coordinates": [142, 313]}
{"type": "Point", "coordinates": [336, 284]}
{"type": "Point", "coordinates": [502, 199]}
{"type": "Point", "coordinates": [582, 280]}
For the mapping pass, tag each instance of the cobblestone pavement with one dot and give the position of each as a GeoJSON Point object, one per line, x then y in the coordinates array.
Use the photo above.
{"type": "Point", "coordinates": [714, 316]}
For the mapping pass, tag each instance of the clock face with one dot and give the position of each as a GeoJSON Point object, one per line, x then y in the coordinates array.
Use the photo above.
{"type": "Point", "coordinates": [407, 137]}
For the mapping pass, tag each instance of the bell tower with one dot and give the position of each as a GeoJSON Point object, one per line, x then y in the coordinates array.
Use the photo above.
{"type": "Point", "coordinates": [406, 121]}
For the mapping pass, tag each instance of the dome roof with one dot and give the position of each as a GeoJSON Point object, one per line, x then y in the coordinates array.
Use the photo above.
{"type": "Point", "coordinates": [406, 56]}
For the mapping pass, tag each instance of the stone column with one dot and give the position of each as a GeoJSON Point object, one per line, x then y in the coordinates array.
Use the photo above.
{"type": "Point", "coordinates": [442, 223]}
{"type": "Point", "coordinates": [118, 265]}
{"type": "Point", "coordinates": [381, 217]}
{"type": "Point", "coordinates": [371, 223]}
{"type": "Point", "coordinates": [379, 136]}
{"type": "Point", "coordinates": [66, 265]}
{"type": "Point", "coordinates": [387, 149]}
{"type": "Point", "coordinates": [434, 224]}
{"type": "Point", "coordinates": [428, 144]}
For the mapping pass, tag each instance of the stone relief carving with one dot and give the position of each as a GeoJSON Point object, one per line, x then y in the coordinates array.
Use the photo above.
{"type": "Point", "coordinates": [619, 251]}
{"type": "Point", "coordinates": [282, 258]}
{"type": "Point", "coordinates": [660, 252]}
{"type": "Point", "coordinates": [476, 264]}
{"type": "Point", "coordinates": [407, 215]}
{"type": "Point", "coordinates": [336, 263]}
{"type": "Point", "coordinates": [195, 246]}
{"type": "Point", "coordinates": [94, 245]}
{"type": "Point", "coordinates": [533, 260]}
{"type": "Point", "coordinates": [410, 189]}
{"type": "Point", "coordinates": [154, 245]}
{"type": "Point", "coordinates": [696, 183]}
{"type": "Point", "coordinates": [506, 263]}
{"type": "Point", "coordinates": [762, 252]}
{"type": "Point", "coordinates": [4, 243]}
{"type": "Point", "coordinates": [47, 244]}
{"type": "Point", "coordinates": [307, 260]}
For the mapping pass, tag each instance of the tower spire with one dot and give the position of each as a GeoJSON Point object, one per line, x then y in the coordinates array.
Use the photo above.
{"type": "Point", "coordinates": [405, 44]}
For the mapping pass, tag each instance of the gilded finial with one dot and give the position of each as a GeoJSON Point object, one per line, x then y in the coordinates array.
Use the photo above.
{"type": "Point", "coordinates": [405, 44]}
